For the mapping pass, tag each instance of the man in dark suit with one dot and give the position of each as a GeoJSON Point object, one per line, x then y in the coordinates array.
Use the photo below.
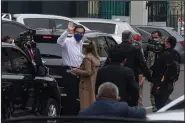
{"type": "Point", "coordinates": [121, 76]}
{"type": "Point", "coordinates": [134, 57]}
{"type": "Point", "coordinates": [107, 104]}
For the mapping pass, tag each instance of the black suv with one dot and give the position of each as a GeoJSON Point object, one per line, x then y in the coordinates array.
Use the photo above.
{"type": "Point", "coordinates": [23, 84]}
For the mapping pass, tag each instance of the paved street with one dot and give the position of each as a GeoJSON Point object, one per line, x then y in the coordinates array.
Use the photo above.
{"type": "Point", "coordinates": [178, 91]}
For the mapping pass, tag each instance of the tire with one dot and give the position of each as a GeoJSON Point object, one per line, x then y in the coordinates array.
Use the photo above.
{"type": "Point", "coordinates": [51, 108]}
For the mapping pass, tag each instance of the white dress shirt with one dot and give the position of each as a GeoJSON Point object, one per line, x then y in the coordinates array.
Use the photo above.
{"type": "Point", "coordinates": [71, 50]}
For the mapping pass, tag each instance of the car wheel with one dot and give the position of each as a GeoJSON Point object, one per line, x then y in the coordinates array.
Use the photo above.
{"type": "Point", "coordinates": [51, 108]}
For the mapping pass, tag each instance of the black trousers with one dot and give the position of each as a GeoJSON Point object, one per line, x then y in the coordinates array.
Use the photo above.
{"type": "Point", "coordinates": [163, 95]}
{"type": "Point", "coordinates": [71, 87]}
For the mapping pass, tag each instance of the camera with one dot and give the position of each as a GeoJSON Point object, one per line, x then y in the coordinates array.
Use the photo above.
{"type": "Point", "coordinates": [26, 39]}
{"type": "Point", "coordinates": [155, 46]}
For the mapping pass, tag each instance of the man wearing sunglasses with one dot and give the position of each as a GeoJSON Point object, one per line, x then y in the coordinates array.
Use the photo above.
{"type": "Point", "coordinates": [72, 56]}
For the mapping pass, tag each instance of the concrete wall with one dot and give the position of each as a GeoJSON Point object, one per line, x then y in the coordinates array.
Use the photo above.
{"type": "Point", "coordinates": [139, 13]}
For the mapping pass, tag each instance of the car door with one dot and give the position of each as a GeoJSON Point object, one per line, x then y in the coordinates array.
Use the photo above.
{"type": "Point", "coordinates": [12, 29]}
{"type": "Point", "coordinates": [17, 69]}
{"type": "Point", "coordinates": [110, 41]}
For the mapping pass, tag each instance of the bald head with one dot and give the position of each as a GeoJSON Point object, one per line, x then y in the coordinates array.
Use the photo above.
{"type": "Point", "coordinates": [126, 35]}
{"type": "Point", "coordinates": [108, 90]}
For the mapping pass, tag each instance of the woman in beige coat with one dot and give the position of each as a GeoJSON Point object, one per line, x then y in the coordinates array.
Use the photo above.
{"type": "Point", "coordinates": [87, 73]}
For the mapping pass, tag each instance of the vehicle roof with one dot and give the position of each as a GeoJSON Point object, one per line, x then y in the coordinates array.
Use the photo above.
{"type": "Point", "coordinates": [176, 115]}
{"type": "Point", "coordinates": [40, 16]}
{"type": "Point", "coordinates": [98, 20]}
{"type": "Point", "coordinates": [47, 16]}
{"type": "Point", "coordinates": [170, 30]}
{"type": "Point", "coordinates": [174, 102]}
{"type": "Point", "coordinates": [9, 21]}
{"type": "Point", "coordinates": [161, 27]}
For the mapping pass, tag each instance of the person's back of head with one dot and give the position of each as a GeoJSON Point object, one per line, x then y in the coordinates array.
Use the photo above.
{"type": "Point", "coordinates": [170, 42]}
{"type": "Point", "coordinates": [108, 90]}
{"type": "Point", "coordinates": [127, 36]}
{"type": "Point", "coordinates": [6, 39]}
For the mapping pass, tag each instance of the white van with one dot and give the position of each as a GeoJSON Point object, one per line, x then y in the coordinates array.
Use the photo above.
{"type": "Point", "coordinates": [36, 21]}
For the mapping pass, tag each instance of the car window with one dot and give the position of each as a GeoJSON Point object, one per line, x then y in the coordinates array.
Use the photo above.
{"type": "Point", "coordinates": [164, 33]}
{"type": "Point", "coordinates": [61, 24]}
{"type": "Point", "coordinates": [35, 23]}
{"type": "Point", "coordinates": [150, 30]}
{"type": "Point", "coordinates": [16, 62]}
{"type": "Point", "coordinates": [178, 106]}
{"type": "Point", "coordinates": [103, 27]}
{"type": "Point", "coordinates": [111, 42]}
{"type": "Point", "coordinates": [11, 29]}
{"type": "Point", "coordinates": [101, 45]}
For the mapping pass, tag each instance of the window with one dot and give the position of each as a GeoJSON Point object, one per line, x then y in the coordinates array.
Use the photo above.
{"type": "Point", "coordinates": [164, 33]}
{"type": "Point", "coordinates": [111, 42]}
{"type": "Point", "coordinates": [150, 30]}
{"type": "Point", "coordinates": [178, 106]}
{"type": "Point", "coordinates": [102, 47]}
{"type": "Point", "coordinates": [15, 63]}
{"type": "Point", "coordinates": [61, 24]}
{"type": "Point", "coordinates": [12, 29]}
{"type": "Point", "coordinates": [35, 23]}
{"type": "Point", "coordinates": [103, 27]}
{"type": "Point", "coordinates": [157, 11]}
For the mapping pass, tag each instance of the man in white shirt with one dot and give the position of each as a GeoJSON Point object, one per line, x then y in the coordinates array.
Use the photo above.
{"type": "Point", "coordinates": [72, 57]}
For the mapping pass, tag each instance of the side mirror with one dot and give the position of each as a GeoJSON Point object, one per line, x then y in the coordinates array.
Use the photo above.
{"type": "Point", "coordinates": [42, 71]}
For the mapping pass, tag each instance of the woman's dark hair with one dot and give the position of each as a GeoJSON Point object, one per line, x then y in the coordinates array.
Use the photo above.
{"type": "Point", "coordinates": [172, 40]}
{"type": "Point", "coordinates": [158, 32]}
{"type": "Point", "coordinates": [79, 26]}
{"type": "Point", "coordinates": [91, 48]}
{"type": "Point", "coordinates": [5, 38]}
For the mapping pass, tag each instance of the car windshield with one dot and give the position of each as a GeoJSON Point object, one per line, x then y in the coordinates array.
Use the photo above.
{"type": "Point", "coordinates": [36, 23]}
{"type": "Point", "coordinates": [103, 27]}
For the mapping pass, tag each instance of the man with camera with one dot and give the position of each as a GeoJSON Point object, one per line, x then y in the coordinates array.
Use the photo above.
{"type": "Point", "coordinates": [165, 73]}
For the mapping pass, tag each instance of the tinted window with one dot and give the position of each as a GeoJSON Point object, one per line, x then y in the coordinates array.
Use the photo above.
{"type": "Point", "coordinates": [61, 24]}
{"type": "Point", "coordinates": [164, 33]}
{"type": "Point", "coordinates": [16, 62]}
{"type": "Point", "coordinates": [101, 45]}
{"type": "Point", "coordinates": [11, 29]}
{"type": "Point", "coordinates": [37, 23]}
{"type": "Point", "coordinates": [145, 35]}
{"type": "Point", "coordinates": [111, 42]}
{"type": "Point", "coordinates": [46, 44]}
{"type": "Point", "coordinates": [150, 30]}
{"type": "Point", "coordinates": [103, 27]}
